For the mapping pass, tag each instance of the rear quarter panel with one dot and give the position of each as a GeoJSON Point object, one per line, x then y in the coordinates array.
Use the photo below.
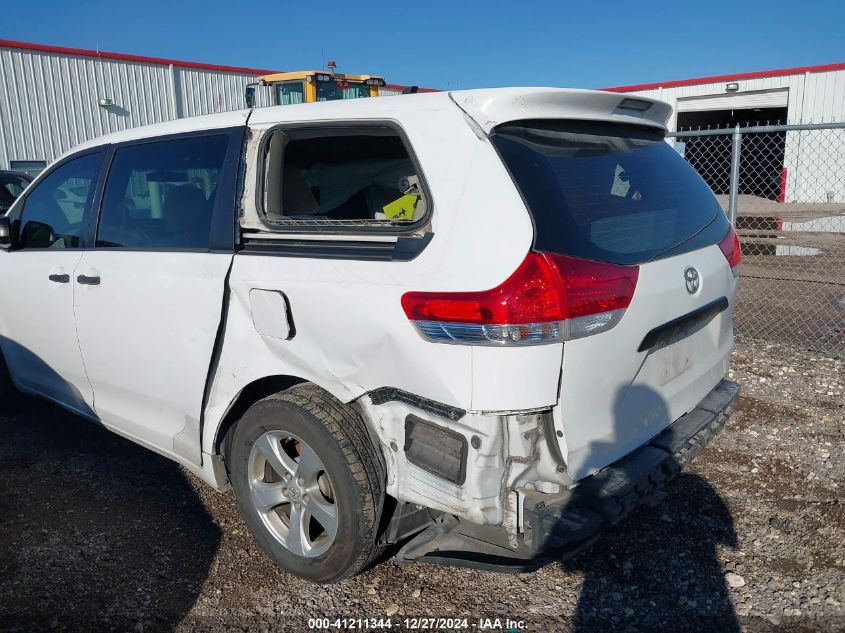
{"type": "Point", "coordinates": [352, 335]}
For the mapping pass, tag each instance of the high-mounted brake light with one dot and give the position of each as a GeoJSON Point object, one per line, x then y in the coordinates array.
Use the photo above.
{"type": "Point", "coordinates": [731, 249]}
{"type": "Point", "coordinates": [548, 298]}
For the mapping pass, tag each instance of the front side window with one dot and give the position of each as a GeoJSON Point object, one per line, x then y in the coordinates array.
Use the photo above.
{"type": "Point", "coordinates": [162, 194]}
{"type": "Point", "coordinates": [54, 210]}
{"type": "Point", "coordinates": [353, 177]}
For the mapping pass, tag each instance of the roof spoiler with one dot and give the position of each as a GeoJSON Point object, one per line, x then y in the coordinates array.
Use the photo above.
{"type": "Point", "coordinates": [493, 107]}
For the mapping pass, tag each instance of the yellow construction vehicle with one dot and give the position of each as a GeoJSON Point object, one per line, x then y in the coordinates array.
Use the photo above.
{"type": "Point", "coordinates": [309, 86]}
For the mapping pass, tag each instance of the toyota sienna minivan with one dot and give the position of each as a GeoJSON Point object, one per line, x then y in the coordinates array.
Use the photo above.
{"type": "Point", "coordinates": [472, 326]}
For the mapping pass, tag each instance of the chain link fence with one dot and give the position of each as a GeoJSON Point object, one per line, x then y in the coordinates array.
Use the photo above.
{"type": "Point", "coordinates": [783, 186]}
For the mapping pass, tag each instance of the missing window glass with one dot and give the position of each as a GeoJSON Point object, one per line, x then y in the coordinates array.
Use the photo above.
{"type": "Point", "coordinates": [348, 177]}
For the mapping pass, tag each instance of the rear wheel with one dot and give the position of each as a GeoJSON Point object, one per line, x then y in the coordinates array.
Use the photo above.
{"type": "Point", "coordinates": [308, 483]}
{"type": "Point", "coordinates": [9, 395]}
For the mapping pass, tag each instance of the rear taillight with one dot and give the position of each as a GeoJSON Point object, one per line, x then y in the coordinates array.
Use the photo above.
{"type": "Point", "coordinates": [730, 248]}
{"type": "Point", "coordinates": [549, 298]}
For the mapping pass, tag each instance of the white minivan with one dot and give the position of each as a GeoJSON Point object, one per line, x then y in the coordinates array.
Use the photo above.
{"type": "Point", "coordinates": [472, 326]}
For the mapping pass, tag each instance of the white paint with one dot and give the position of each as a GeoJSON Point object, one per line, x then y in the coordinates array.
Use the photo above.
{"type": "Point", "coordinates": [270, 313]}
{"type": "Point", "coordinates": [643, 392]}
{"type": "Point", "coordinates": [146, 333]}
{"type": "Point", "coordinates": [37, 326]}
{"type": "Point", "coordinates": [494, 106]}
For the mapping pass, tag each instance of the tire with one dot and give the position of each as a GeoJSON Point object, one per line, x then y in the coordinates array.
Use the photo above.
{"type": "Point", "coordinates": [275, 434]}
{"type": "Point", "coordinates": [10, 397]}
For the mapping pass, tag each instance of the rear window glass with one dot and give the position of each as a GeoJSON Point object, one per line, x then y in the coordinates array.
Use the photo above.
{"type": "Point", "coordinates": [608, 192]}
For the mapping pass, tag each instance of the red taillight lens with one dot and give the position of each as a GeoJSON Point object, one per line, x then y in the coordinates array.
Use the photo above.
{"type": "Point", "coordinates": [594, 287]}
{"type": "Point", "coordinates": [546, 288]}
{"type": "Point", "coordinates": [530, 295]}
{"type": "Point", "coordinates": [731, 249]}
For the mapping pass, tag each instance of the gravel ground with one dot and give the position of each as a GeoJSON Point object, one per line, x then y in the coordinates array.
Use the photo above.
{"type": "Point", "coordinates": [99, 534]}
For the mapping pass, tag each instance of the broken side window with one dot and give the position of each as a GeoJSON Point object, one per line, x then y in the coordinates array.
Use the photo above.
{"type": "Point", "coordinates": [352, 176]}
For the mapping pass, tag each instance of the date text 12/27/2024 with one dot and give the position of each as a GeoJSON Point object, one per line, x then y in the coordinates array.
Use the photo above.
{"type": "Point", "coordinates": [419, 624]}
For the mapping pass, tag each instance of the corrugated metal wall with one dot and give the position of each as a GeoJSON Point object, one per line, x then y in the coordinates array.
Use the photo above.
{"type": "Point", "coordinates": [207, 92]}
{"type": "Point", "coordinates": [48, 101]}
{"type": "Point", "coordinates": [813, 97]}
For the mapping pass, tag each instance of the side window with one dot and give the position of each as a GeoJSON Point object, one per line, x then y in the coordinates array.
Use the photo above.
{"type": "Point", "coordinates": [54, 209]}
{"type": "Point", "coordinates": [347, 177]}
{"type": "Point", "coordinates": [161, 194]}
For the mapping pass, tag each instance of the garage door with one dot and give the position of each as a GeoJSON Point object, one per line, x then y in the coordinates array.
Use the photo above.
{"type": "Point", "coordinates": [735, 101]}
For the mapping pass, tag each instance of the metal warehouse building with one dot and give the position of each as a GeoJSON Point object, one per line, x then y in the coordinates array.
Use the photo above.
{"type": "Point", "coordinates": [809, 94]}
{"type": "Point", "coordinates": [52, 98]}
{"type": "Point", "coordinates": [784, 162]}
{"type": "Point", "coordinates": [55, 97]}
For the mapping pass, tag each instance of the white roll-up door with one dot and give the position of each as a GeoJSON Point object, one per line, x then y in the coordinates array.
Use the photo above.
{"type": "Point", "coordinates": [735, 101]}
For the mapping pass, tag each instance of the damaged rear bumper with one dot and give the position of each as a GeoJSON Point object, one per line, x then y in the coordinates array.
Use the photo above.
{"type": "Point", "coordinates": [559, 526]}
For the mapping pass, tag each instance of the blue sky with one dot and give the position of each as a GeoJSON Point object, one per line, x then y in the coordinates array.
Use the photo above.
{"type": "Point", "coordinates": [455, 44]}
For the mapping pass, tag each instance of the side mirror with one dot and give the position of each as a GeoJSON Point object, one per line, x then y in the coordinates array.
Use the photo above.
{"type": "Point", "coordinates": [249, 96]}
{"type": "Point", "coordinates": [5, 233]}
{"type": "Point", "coordinates": [37, 234]}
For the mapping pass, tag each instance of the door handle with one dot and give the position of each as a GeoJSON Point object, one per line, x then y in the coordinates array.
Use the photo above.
{"type": "Point", "coordinates": [59, 279]}
{"type": "Point", "coordinates": [88, 281]}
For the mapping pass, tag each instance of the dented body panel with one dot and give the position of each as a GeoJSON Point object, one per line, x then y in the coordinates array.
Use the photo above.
{"type": "Point", "coordinates": [484, 433]}
{"type": "Point", "coordinates": [645, 390]}
{"type": "Point", "coordinates": [526, 430]}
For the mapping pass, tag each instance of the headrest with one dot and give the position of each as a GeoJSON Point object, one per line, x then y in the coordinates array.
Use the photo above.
{"type": "Point", "coordinates": [297, 198]}
{"type": "Point", "coordinates": [182, 207]}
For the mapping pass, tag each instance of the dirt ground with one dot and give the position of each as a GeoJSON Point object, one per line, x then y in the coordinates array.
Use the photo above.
{"type": "Point", "coordinates": [97, 533]}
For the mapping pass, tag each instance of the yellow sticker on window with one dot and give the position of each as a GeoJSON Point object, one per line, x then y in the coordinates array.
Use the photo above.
{"type": "Point", "coordinates": [401, 208]}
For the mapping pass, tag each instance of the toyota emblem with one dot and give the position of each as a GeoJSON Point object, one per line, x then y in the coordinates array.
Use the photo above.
{"type": "Point", "coordinates": [692, 279]}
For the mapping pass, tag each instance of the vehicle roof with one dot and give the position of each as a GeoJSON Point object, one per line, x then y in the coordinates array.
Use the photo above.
{"type": "Point", "coordinates": [488, 107]}
{"type": "Point", "coordinates": [176, 126]}
{"type": "Point", "coordinates": [302, 74]}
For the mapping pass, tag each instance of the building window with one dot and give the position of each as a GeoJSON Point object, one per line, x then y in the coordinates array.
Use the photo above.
{"type": "Point", "coordinates": [31, 167]}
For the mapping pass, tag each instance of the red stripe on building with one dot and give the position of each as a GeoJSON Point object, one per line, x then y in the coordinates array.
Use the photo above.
{"type": "Point", "coordinates": [84, 52]}
{"type": "Point", "coordinates": [64, 50]}
{"type": "Point", "coordinates": [798, 70]}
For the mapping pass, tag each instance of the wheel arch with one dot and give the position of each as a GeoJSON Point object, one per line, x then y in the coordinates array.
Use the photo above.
{"type": "Point", "coordinates": [265, 386]}
{"type": "Point", "coordinates": [246, 397]}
